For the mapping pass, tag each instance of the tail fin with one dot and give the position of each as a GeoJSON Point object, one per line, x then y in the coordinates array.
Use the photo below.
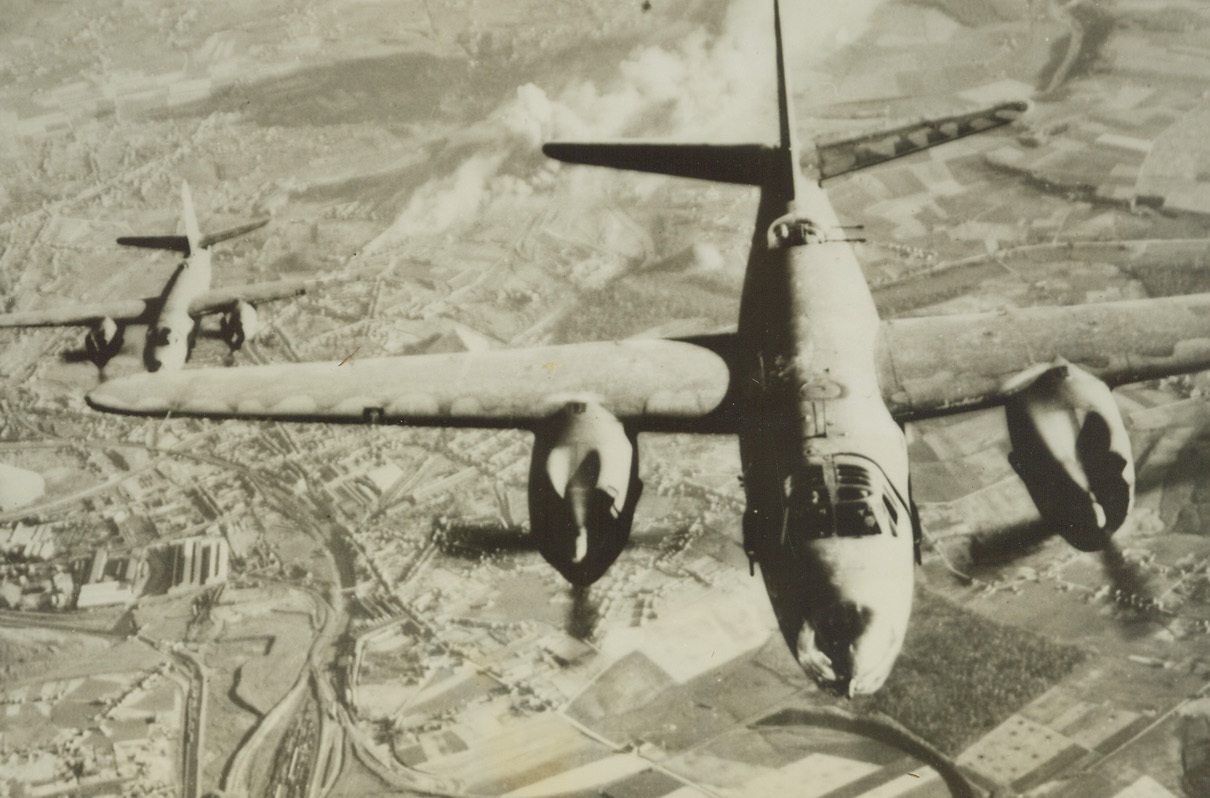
{"type": "Point", "coordinates": [231, 232]}
{"type": "Point", "coordinates": [786, 173]}
{"type": "Point", "coordinates": [193, 240]}
{"type": "Point", "coordinates": [776, 169]}
{"type": "Point", "coordinates": [193, 233]}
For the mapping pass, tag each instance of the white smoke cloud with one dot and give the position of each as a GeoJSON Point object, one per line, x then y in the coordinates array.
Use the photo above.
{"type": "Point", "coordinates": [438, 204]}
{"type": "Point", "coordinates": [705, 87]}
{"type": "Point", "coordinates": [528, 116]}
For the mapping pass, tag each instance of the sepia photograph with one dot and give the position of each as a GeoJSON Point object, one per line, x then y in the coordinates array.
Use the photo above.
{"type": "Point", "coordinates": [605, 398]}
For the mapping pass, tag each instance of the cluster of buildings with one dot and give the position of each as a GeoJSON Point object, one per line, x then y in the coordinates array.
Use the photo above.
{"type": "Point", "coordinates": [28, 542]}
{"type": "Point", "coordinates": [35, 586]}
{"type": "Point", "coordinates": [106, 580]}
{"type": "Point", "coordinates": [197, 562]}
{"type": "Point", "coordinates": [30, 580]}
{"type": "Point", "coordinates": [27, 580]}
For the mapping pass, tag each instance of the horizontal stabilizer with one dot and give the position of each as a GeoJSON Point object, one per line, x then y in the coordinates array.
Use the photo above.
{"type": "Point", "coordinates": [171, 243]}
{"type": "Point", "coordinates": [746, 164]}
{"type": "Point", "coordinates": [848, 155]}
{"type": "Point", "coordinates": [181, 243]}
{"type": "Point", "coordinates": [211, 239]}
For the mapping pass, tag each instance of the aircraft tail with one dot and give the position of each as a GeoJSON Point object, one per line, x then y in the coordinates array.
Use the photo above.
{"type": "Point", "coordinates": [767, 166]}
{"type": "Point", "coordinates": [193, 233]}
{"type": "Point", "coordinates": [723, 163]}
{"type": "Point", "coordinates": [776, 168]}
{"type": "Point", "coordinates": [193, 240]}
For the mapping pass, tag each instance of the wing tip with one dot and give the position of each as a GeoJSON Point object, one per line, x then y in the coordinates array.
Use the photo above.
{"type": "Point", "coordinates": [124, 395]}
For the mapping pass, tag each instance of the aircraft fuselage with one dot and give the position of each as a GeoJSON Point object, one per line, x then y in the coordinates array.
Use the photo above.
{"type": "Point", "coordinates": [171, 335]}
{"type": "Point", "coordinates": [825, 465]}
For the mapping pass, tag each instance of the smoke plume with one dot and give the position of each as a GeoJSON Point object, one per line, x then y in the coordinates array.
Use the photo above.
{"type": "Point", "coordinates": [709, 87]}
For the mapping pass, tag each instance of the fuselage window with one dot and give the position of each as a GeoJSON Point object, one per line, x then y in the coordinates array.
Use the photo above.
{"type": "Point", "coordinates": [890, 509]}
{"type": "Point", "coordinates": [844, 499]}
{"type": "Point", "coordinates": [842, 496]}
{"type": "Point", "coordinates": [856, 519]}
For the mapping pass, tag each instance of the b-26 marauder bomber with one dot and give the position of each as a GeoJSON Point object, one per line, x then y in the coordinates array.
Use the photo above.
{"type": "Point", "coordinates": [173, 317]}
{"type": "Point", "coordinates": [816, 387]}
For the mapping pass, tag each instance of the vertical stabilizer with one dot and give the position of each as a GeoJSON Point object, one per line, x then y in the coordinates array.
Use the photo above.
{"type": "Point", "coordinates": [193, 233]}
{"type": "Point", "coordinates": [784, 103]}
{"type": "Point", "coordinates": [786, 170]}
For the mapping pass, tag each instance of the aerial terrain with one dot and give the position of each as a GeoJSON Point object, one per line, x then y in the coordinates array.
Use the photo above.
{"type": "Point", "coordinates": [191, 607]}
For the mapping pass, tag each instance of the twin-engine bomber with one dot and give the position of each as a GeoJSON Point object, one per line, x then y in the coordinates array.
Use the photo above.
{"type": "Point", "coordinates": [816, 387]}
{"type": "Point", "coordinates": [173, 317]}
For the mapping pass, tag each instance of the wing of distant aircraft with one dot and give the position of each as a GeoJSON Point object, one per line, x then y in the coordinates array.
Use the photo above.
{"type": "Point", "coordinates": [218, 300]}
{"type": "Point", "coordinates": [132, 311]}
{"type": "Point", "coordinates": [138, 311]}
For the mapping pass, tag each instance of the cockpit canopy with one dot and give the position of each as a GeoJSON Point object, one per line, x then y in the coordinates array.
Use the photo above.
{"type": "Point", "coordinates": [842, 495]}
{"type": "Point", "coordinates": [793, 231]}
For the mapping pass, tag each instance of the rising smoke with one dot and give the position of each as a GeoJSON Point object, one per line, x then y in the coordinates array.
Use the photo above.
{"type": "Point", "coordinates": [715, 87]}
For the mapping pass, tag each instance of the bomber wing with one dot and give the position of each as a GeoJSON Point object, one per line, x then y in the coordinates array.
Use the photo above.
{"type": "Point", "coordinates": [931, 366]}
{"type": "Point", "coordinates": [648, 384]}
{"type": "Point", "coordinates": [135, 311]}
{"type": "Point", "coordinates": [221, 299]}
{"type": "Point", "coordinates": [928, 366]}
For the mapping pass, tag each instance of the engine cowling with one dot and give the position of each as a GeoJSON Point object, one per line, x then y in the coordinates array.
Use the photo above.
{"type": "Point", "coordinates": [239, 324]}
{"type": "Point", "coordinates": [103, 341]}
{"type": "Point", "coordinates": [583, 489]}
{"type": "Point", "coordinates": [1071, 449]}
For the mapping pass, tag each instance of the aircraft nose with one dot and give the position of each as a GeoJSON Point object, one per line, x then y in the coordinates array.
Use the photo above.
{"type": "Point", "coordinates": [847, 649]}
{"type": "Point", "coordinates": [874, 654]}
{"type": "Point", "coordinates": [838, 629]}
{"type": "Point", "coordinates": [826, 645]}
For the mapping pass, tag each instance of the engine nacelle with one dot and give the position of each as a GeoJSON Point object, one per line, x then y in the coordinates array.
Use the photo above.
{"type": "Point", "coordinates": [1071, 450]}
{"type": "Point", "coordinates": [240, 324]}
{"type": "Point", "coordinates": [583, 488]}
{"type": "Point", "coordinates": [103, 341]}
